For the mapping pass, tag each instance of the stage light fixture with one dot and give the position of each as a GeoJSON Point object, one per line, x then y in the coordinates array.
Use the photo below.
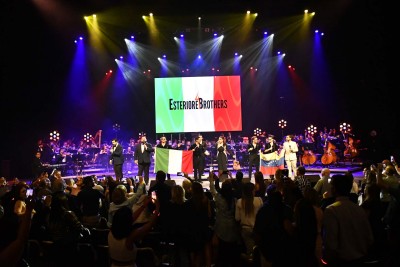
{"type": "Point", "coordinates": [345, 127]}
{"type": "Point", "coordinates": [116, 127]}
{"type": "Point", "coordinates": [311, 129]}
{"type": "Point", "coordinates": [54, 136]}
{"type": "Point", "coordinates": [87, 137]}
{"type": "Point", "coordinates": [257, 131]}
{"type": "Point", "coordinates": [282, 124]}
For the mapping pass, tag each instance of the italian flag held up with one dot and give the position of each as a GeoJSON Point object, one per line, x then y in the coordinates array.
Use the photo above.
{"type": "Point", "coordinates": [173, 161]}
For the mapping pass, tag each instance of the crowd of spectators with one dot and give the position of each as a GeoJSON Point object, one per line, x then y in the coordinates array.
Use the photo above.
{"type": "Point", "coordinates": [272, 222]}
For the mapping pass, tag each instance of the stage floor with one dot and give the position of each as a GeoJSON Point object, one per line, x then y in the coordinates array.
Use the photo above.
{"type": "Point", "coordinates": [313, 171]}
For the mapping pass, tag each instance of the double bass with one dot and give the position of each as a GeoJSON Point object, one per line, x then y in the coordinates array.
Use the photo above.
{"type": "Point", "coordinates": [329, 154]}
{"type": "Point", "coordinates": [351, 151]}
{"type": "Point", "coordinates": [308, 158]}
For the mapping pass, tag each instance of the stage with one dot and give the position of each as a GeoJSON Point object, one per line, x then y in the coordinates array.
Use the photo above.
{"type": "Point", "coordinates": [130, 170]}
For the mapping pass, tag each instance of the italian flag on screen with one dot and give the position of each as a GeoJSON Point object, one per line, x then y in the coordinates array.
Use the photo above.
{"type": "Point", "coordinates": [212, 103]}
{"type": "Point", "coordinates": [173, 161]}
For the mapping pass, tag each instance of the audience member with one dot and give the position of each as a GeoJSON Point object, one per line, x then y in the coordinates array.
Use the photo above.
{"type": "Point", "coordinates": [226, 229]}
{"type": "Point", "coordinates": [120, 199]}
{"type": "Point", "coordinates": [305, 233]}
{"type": "Point", "coordinates": [260, 186]}
{"type": "Point", "coordinates": [200, 233]}
{"type": "Point", "coordinates": [391, 219]}
{"type": "Point", "coordinates": [246, 209]}
{"type": "Point", "coordinates": [273, 229]}
{"type": "Point", "coordinates": [300, 179]}
{"type": "Point", "coordinates": [89, 201]}
{"type": "Point", "coordinates": [122, 239]}
{"type": "Point", "coordinates": [347, 234]}
{"type": "Point", "coordinates": [322, 184]}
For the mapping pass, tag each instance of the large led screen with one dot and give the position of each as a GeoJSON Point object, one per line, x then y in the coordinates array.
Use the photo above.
{"type": "Point", "coordinates": [198, 104]}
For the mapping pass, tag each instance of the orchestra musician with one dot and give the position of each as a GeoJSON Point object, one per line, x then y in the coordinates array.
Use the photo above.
{"type": "Point", "coordinates": [63, 157]}
{"type": "Point", "coordinates": [309, 139]}
{"type": "Point", "coordinates": [301, 145]}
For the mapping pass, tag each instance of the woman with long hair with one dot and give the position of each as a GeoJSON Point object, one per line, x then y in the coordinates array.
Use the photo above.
{"type": "Point", "coordinates": [222, 155]}
{"type": "Point", "coordinates": [246, 209]}
{"type": "Point", "coordinates": [200, 234]}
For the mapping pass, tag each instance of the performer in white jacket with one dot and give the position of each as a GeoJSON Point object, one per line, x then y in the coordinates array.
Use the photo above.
{"type": "Point", "coordinates": [290, 147]}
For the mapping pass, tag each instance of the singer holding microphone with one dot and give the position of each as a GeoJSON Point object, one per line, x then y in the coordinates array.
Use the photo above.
{"type": "Point", "coordinates": [142, 158]}
{"type": "Point", "coordinates": [290, 148]}
{"type": "Point", "coordinates": [198, 158]}
{"type": "Point", "coordinates": [117, 159]}
{"type": "Point", "coordinates": [254, 155]}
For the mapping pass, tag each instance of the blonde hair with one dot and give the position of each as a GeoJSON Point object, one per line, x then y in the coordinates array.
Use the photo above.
{"type": "Point", "coordinates": [178, 194]}
{"type": "Point", "coordinates": [186, 184]}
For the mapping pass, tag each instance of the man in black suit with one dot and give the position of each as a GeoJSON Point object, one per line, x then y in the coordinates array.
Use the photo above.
{"type": "Point", "coordinates": [142, 158]}
{"type": "Point", "coordinates": [198, 157]}
{"type": "Point", "coordinates": [254, 155]}
{"type": "Point", "coordinates": [117, 159]}
{"type": "Point", "coordinates": [164, 144]}
{"type": "Point", "coordinates": [37, 165]}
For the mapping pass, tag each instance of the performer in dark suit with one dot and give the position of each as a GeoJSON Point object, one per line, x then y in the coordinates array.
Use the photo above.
{"type": "Point", "coordinates": [164, 144]}
{"type": "Point", "coordinates": [271, 145]}
{"type": "Point", "coordinates": [198, 157]}
{"type": "Point", "coordinates": [254, 157]}
{"type": "Point", "coordinates": [142, 158]}
{"type": "Point", "coordinates": [117, 159]}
